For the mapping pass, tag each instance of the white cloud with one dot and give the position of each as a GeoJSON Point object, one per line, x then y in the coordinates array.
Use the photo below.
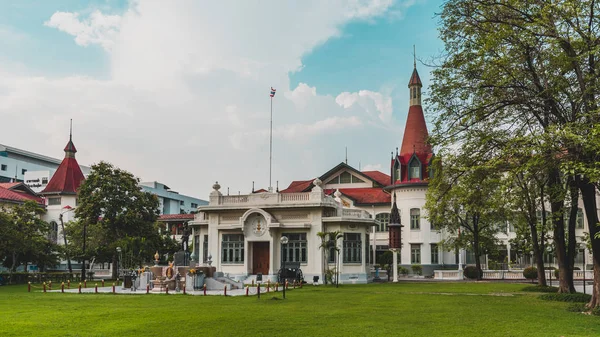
{"type": "Point", "coordinates": [366, 99]}
{"type": "Point", "coordinates": [187, 98]}
{"type": "Point", "coordinates": [97, 29]}
{"type": "Point", "coordinates": [371, 167]}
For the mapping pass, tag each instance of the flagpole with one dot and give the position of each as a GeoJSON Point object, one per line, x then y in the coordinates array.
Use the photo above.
{"type": "Point", "coordinates": [271, 147]}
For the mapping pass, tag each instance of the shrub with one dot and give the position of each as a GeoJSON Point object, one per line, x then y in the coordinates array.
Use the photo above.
{"type": "Point", "coordinates": [417, 269]}
{"type": "Point", "coordinates": [556, 273]}
{"type": "Point", "coordinates": [540, 289]}
{"type": "Point", "coordinates": [471, 272]}
{"type": "Point", "coordinates": [403, 271]}
{"type": "Point", "coordinates": [576, 307]}
{"type": "Point", "coordinates": [530, 273]}
{"type": "Point", "coordinates": [577, 297]}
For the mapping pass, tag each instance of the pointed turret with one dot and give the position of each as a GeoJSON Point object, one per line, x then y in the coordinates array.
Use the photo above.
{"type": "Point", "coordinates": [415, 154]}
{"type": "Point", "coordinates": [68, 176]}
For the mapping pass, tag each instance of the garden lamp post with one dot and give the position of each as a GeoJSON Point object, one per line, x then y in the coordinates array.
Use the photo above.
{"type": "Point", "coordinates": [119, 264]}
{"type": "Point", "coordinates": [62, 225]}
{"type": "Point", "coordinates": [284, 241]}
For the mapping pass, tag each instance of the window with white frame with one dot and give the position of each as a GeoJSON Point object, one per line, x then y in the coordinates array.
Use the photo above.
{"type": "Point", "coordinates": [415, 253]}
{"type": "Point", "coordinates": [295, 249]}
{"type": "Point", "coordinates": [384, 220]}
{"type": "Point", "coordinates": [232, 248]}
{"type": "Point", "coordinates": [415, 218]}
{"type": "Point", "coordinates": [435, 253]}
{"type": "Point", "coordinates": [352, 248]}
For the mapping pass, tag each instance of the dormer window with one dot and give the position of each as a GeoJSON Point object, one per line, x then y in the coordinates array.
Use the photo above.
{"type": "Point", "coordinates": [414, 169]}
{"type": "Point", "coordinates": [396, 171]}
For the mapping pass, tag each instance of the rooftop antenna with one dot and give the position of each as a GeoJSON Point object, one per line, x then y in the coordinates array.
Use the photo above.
{"type": "Point", "coordinates": [277, 190]}
{"type": "Point", "coordinates": [346, 155]}
{"type": "Point", "coordinates": [415, 56]}
{"type": "Point", "coordinates": [227, 190]}
{"type": "Point", "coordinates": [253, 186]}
{"type": "Point", "coordinates": [71, 130]}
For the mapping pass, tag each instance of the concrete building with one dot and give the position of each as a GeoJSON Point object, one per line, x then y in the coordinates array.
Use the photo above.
{"type": "Point", "coordinates": [243, 235]}
{"type": "Point", "coordinates": [171, 202]}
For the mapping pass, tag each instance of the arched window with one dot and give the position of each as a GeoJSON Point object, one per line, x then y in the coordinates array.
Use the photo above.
{"type": "Point", "coordinates": [415, 218]}
{"type": "Point", "coordinates": [384, 220]}
{"type": "Point", "coordinates": [414, 169]}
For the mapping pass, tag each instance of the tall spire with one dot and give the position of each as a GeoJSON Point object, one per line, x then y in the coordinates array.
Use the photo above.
{"type": "Point", "coordinates": [70, 149]}
{"type": "Point", "coordinates": [415, 84]}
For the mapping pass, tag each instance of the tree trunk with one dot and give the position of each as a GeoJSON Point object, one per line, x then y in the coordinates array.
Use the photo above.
{"type": "Point", "coordinates": [571, 238]}
{"type": "Point", "coordinates": [539, 257]}
{"type": "Point", "coordinates": [565, 274]}
{"type": "Point", "coordinates": [62, 225]}
{"type": "Point", "coordinates": [476, 245]}
{"type": "Point", "coordinates": [588, 196]}
{"type": "Point", "coordinates": [115, 263]}
{"type": "Point", "coordinates": [13, 267]}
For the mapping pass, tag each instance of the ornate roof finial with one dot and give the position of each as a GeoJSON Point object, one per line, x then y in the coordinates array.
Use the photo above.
{"type": "Point", "coordinates": [396, 151]}
{"type": "Point", "coordinates": [277, 186]}
{"type": "Point", "coordinates": [70, 149]}
{"type": "Point", "coordinates": [252, 186]}
{"type": "Point", "coordinates": [346, 155]}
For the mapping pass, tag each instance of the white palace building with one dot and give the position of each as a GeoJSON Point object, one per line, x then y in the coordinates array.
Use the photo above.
{"type": "Point", "coordinates": [242, 234]}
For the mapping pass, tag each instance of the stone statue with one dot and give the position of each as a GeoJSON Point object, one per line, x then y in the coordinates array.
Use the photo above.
{"type": "Point", "coordinates": [185, 237]}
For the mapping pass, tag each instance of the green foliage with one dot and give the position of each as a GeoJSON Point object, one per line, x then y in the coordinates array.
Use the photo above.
{"type": "Point", "coordinates": [566, 297]}
{"type": "Point", "coordinates": [471, 272]}
{"type": "Point", "coordinates": [540, 289]}
{"type": "Point", "coordinates": [328, 242]}
{"type": "Point", "coordinates": [402, 271]}
{"type": "Point", "coordinates": [530, 273]}
{"type": "Point", "coordinates": [417, 269]}
{"type": "Point", "coordinates": [114, 212]}
{"type": "Point", "coordinates": [24, 237]}
{"type": "Point", "coordinates": [576, 307]}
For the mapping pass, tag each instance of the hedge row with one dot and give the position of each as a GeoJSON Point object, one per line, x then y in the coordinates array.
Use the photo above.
{"type": "Point", "coordinates": [577, 297]}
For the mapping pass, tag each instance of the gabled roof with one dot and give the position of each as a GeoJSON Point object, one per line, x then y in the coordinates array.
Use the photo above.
{"type": "Point", "coordinates": [298, 186]}
{"type": "Point", "coordinates": [380, 177]}
{"type": "Point", "coordinates": [9, 185]}
{"type": "Point", "coordinates": [171, 217]}
{"type": "Point", "coordinates": [366, 196]}
{"type": "Point", "coordinates": [17, 195]}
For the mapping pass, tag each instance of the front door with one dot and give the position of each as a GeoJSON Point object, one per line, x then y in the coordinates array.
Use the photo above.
{"type": "Point", "coordinates": [260, 258]}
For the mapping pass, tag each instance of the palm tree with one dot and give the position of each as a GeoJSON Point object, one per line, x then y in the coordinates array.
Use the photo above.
{"type": "Point", "coordinates": [328, 241]}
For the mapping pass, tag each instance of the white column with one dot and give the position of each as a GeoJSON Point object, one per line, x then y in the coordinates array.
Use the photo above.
{"type": "Point", "coordinates": [508, 252]}
{"type": "Point", "coordinates": [395, 262]}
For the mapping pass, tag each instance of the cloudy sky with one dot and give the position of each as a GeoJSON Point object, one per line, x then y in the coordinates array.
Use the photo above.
{"type": "Point", "coordinates": [178, 91]}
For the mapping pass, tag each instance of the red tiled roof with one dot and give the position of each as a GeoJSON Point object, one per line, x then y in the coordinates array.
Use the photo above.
{"type": "Point", "coordinates": [298, 186]}
{"type": "Point", "coordinates": [18, 196]}
{"type": "Point", "coordinates": [378, 176]}
{"type": "Point", "coordinates": [415, 79]}
{"type": "Point", "coordinates": [66, 179]}
{"type": "Point", "coordinates": [415, 133]}
{"type": "Point", "coordinates": [165, 217]}
{"type": "Point", "coordinates": [9, 185]}
{"type": "Point", "coordinates": [262, 190]}
{"type": "Point", "coordinates": [362, 196]}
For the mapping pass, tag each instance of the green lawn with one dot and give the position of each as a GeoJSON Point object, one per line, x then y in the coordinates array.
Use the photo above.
{"type": "Point", "coordinates": [403, 309]}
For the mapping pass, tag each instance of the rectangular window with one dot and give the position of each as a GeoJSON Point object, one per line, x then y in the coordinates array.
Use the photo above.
{"type": "Point", "coordinates": [435, 254]}
{"type": "Point", "coordinates": [384, 220]}
{"type": "Point", "coordinates": [181, 202]}
{"type": "Point", "coordinates": [194, 205]}
{"type": "Point", "coordinates": [295, 250]}
{"type": "Point", "coordinates": [23, 171]}
{"type": "Point", "coordinates": [415, 218]}
{"type": "Point", "coordinates": [205, 249]}
{"type": "Point", "coordinates": [352, 248]}
{"type": "Point", "coordinates": [54, 201]}
{"type": "Point", "coordinates": [232, 248]}
{"type": "Point", "coordinates": [415, 254]}
{"type": "Point", "coordinates": [3, 167]}
{"type": "Point", "coordinates": [44, 180]}
{"type": "Point", "coordinates": [368, 249]}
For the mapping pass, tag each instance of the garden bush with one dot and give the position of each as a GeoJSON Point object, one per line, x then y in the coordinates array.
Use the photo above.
{"type": "Point", "coordinates": [402, 271]}
{"type": "Point", "coordinates": [530, 273]}
{"type": "Point", "coordinates": [417, 269]}
{"type": "Point", "coordinates": [577, 297]}
{"type": "Point", "coordinates": [540, 289]}
{"type": "Point", "coordinates": [471, 272]}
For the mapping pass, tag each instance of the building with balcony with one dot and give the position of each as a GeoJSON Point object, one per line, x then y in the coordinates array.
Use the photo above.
{"type": "Point", "coordinates": [242, 234]}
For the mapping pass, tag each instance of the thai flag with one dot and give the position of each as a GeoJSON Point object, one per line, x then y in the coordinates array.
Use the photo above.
{"type": "Point", "coordinates": [272, 92]}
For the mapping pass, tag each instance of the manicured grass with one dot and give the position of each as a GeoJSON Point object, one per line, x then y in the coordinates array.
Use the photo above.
{"type": "Point", "coordinates": [403, 309]}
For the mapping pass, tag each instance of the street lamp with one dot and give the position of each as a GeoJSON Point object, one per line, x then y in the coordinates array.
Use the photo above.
{"type": "Point", "coordinates": [62, 225]}
{"type": "Point", "coordinates": [284, 241]}
{"type": "Point", "coordinates": [119, 264]}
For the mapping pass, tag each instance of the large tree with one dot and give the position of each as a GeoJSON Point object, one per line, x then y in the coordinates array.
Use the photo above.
{"type": "Point", "coordinates": [530, 67]}
{"type": "Point", "coordinates": [113, 211]}
{"type": "Point", "coordinates": [24, 237]}
{"type": "Point", "coordinates": [463, 198]}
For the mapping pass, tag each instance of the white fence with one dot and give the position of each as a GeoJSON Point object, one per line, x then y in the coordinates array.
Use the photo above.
{"type": "Point", "coordinates": [506, 274]}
